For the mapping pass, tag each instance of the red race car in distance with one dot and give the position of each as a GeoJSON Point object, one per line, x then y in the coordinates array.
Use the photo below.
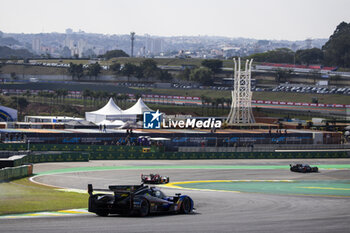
{"type": "Point", "coordinates": [154, 179]}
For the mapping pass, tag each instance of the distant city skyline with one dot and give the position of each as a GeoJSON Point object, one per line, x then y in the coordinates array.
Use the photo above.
{"type": "Point", "coordinates": [268, 19]}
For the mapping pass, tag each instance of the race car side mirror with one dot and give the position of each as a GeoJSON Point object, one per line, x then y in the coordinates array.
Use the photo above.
{"type": "Point", "coordinates": [178, 194]}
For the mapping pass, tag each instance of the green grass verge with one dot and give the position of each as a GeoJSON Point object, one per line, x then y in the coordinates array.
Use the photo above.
{"type": "Point", "coordinates": [23, 196]}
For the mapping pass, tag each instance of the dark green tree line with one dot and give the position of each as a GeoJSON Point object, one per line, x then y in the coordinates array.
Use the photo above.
{"type": "Point", "coordinates": [337, 49]}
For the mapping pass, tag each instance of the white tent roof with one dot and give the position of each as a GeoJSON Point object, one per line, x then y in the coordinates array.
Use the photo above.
{"type": "Point", "coordinates": [118, 123]}
{"type": "Point", "coordinates": [138, 108]}
{"type": "Point", "coordinates": [105, 122]}
{"type": "Point", "coordinates": [114, 123]}
{"type": "Point", "coordinates": [109, 109]}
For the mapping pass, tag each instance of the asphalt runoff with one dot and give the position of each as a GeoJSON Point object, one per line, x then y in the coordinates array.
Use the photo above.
{"type": "Point", "coordinates": [216, 211]}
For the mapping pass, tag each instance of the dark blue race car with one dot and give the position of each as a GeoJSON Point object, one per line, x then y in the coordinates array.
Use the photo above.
{"type": "Point", "coordinates": [302, 168]}
{"type": "Point", "coordinates": [140, 200]}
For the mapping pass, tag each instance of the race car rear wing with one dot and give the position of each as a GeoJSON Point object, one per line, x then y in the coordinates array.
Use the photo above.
{"type": "Point", "coordinates": [91, 189]}
{"type": "Point", "coordinates": [125, 188]}
{"type": "Point", "coordinates": [117, 188]}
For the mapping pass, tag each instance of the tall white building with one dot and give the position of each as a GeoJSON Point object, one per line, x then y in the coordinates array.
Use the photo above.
{"type": "Point", "coordinates": [81, 47]}
{"type": "Point", "coordinates": [69, 43]}
{"type": "Point", "coordinates": [157, 46]}
{"type": "Point", "coordinates": [154, 45]}
{"type": "Point", "coordinates": [36, 45]}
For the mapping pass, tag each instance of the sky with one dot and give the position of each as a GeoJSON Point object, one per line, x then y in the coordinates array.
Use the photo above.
{"type": "Point", "coordinates": [258, 19]}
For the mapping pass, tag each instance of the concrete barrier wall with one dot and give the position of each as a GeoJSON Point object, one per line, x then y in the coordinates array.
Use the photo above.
{"type": "Point", "coordinates": [58, 157]}
{"type": "Point", "coordinates": [70, 147]}
{"type": "Point", "coordinates": [22, 170]}
{"type": "Point", "coordinates": [11, 173]}
{"type": "Point", "coordinates": [217, 155]}
{"type": "Point", "coordinates": [23, 167]}
{"type": "Point", "coordinates": [78, 152]}
{"type": "Point", "coordinates": [47, 157]}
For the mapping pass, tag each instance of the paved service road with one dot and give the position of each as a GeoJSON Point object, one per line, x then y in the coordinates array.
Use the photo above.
{"type": "Point", "coordinates": [216, 211]}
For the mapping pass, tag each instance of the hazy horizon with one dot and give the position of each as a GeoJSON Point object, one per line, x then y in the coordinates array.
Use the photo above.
{"type": "Point", "coordinates": [269, 19]}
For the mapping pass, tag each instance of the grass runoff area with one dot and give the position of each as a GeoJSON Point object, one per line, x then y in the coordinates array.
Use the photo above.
{"type": "Point", "coordinates": [23, 196]}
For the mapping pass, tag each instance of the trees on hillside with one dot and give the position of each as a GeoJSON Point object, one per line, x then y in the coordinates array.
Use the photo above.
{"type": "Point", "coordinates": [147, 69]}
{"type": "Point", "coordinates": [94, 70]}
{"type": "Point", "coordinates": [76, 71]}
{"type": "Point", "coordinates": [115, 67]}
{"type": "Point", "coordinates": [185, 74]}
{"type": "Point", "coordinates": [281, 55]}
{"type": "Point", "coordinates": [214, 65]}
{"type": "Point", "coordinates": [309, 56]}
{"type": "Point", "coordinates": [130, 70]}
{"type": "Point", "coordinates": [337, 48]}
{"type": "Point", "coordinates": [8, 53]}
{"type": "Point", "coordinates": [114, 54]}
{"type": "Point", "coordinates": [202, 75]}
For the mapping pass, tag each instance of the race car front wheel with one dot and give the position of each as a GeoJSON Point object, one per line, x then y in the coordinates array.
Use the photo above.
{"type": "Point", "coordinates": [186, 206]}
{"type": "Point", "coordinates": [144, 210]}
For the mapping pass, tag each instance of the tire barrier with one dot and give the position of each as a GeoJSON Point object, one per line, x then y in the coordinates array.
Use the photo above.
{"type": "Point", "coordinates": [11, 173]}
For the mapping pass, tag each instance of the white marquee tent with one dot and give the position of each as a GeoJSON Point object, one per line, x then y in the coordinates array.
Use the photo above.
{"type": "Point", "coordinates": [111, 124]}
{"type": "Point", "coordinates": [109, 112]}
{"type": "Point", "coordinates": [138, 109]}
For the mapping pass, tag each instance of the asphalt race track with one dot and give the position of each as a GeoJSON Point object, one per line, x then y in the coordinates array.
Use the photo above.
{"type": "Point", "coordinates": [216, 211]}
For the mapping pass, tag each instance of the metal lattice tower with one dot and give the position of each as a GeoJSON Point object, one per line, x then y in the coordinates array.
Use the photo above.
{"type": "Point", "coordinates": [241, 107]}
{"type": "Point", "coordinates": [132, 37]}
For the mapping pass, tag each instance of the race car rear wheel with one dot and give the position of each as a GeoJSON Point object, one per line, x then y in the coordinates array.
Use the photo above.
{"type": "Point", "coordinates": [186, 206]}
{"type": "Point", "coordinates": [144, 209]}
